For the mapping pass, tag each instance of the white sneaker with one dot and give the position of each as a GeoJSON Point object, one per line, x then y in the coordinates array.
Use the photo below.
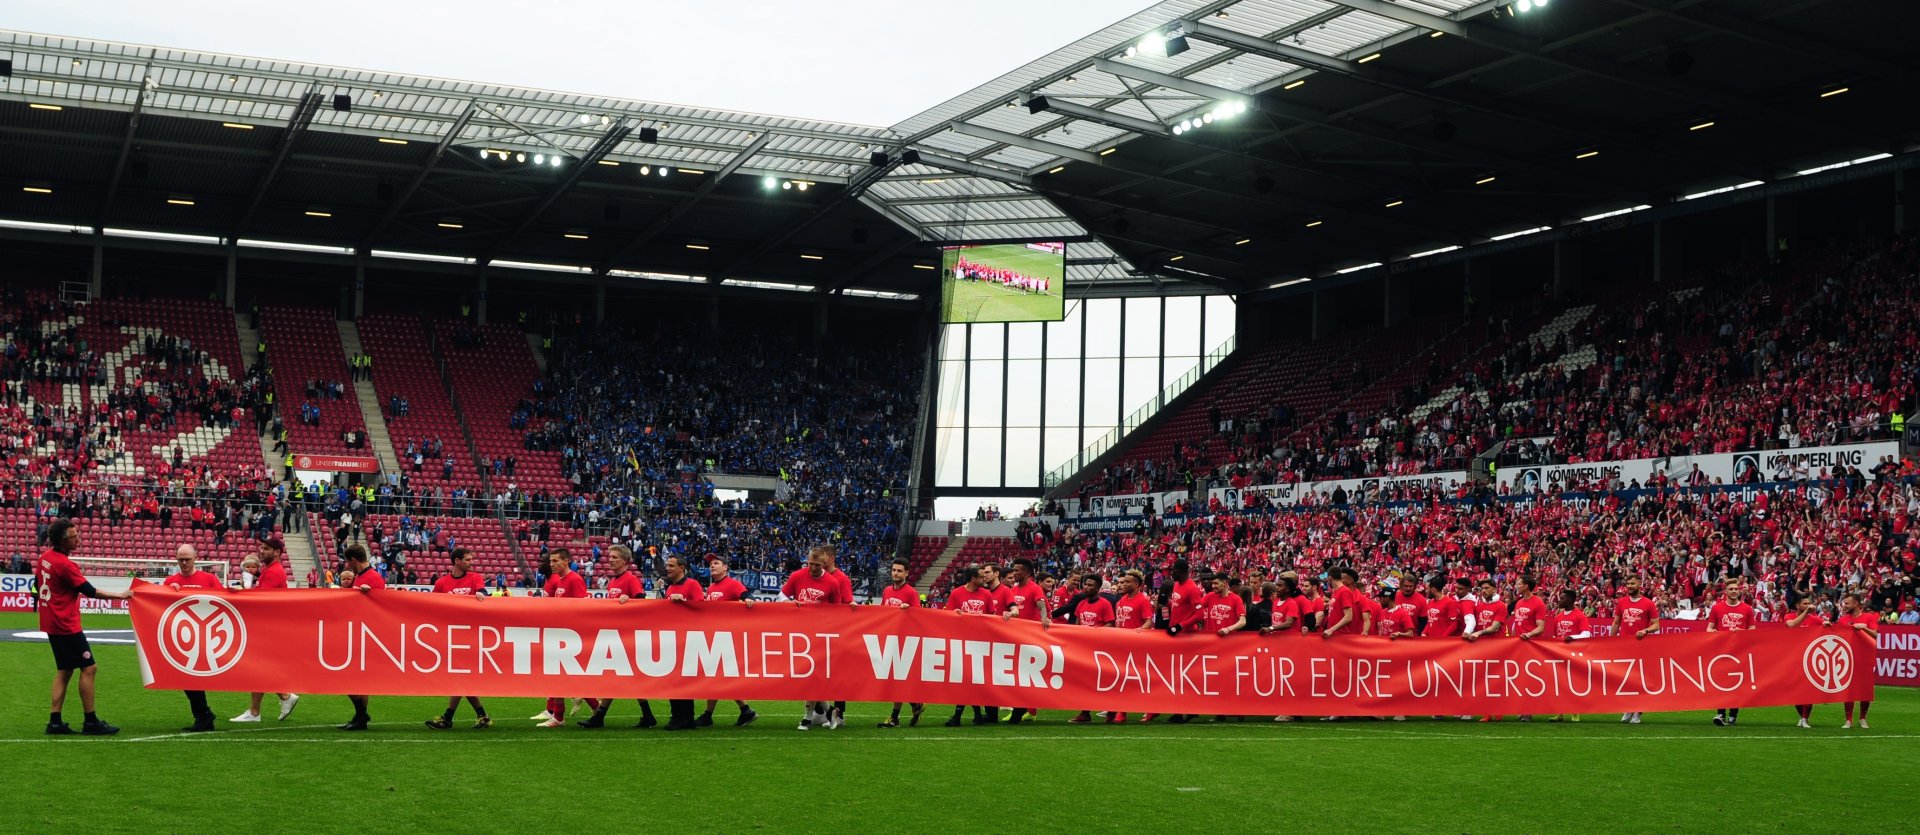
{"type": "Point", "coordinates": [835, 719]}
{"type": "Point", "coordinates": [1102, 714]}
{"type": "Point", "coordinates": [1803, 724]}
{"type": "Point", "coordinates": [1624, 717]}
{"type": "Point", "coordinates": [806, 724]}
{"type": "Point", "coordinates": [551, 723]}
{"type": "Point", "coordinates": [1466, 719]}
{"type": "Point", "coordinates": [542, 716]}
{"type": "Point", "coordinates": [248, 716]}
{"type": "Point", "coordinates": [288, 704]}
{"type": "Point", "coordinates": [1848, 725]}
{"type": "Point", "coordinates": [573, 706]}
{"type": "Point", "coordinates": [1283, 719]}
{"type": "Point", "coordinates": [1399, 718]}
{"type": "Point", "coordinates": [1635, 720]}
{"type": "Point", "coordinates": [1863, 725]}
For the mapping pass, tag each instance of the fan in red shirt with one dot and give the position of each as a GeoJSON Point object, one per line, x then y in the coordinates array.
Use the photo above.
{"type": "Point", "coordinates": [1442, 611]}
{"type": "Point", "coordinates": [1529, 612]}
{"type": "Point", "coordinates": [1025, 599]}
{"type": "Point", "coordinates": [273, 575]}
{"type": "Point", "coordinates": [60, 585]}
{"type": "Point", "coordinates": [1346, 610]}
{"type": "Point", "coordinates": [1134, 609]}
{"type": "Point", "coordinates": [364, 580]}
{"type": "Point", "coordinates": [462, 580]}
{"type": "Point", "coordinates": [900, 595]}
{"type": "Point", "coordinates": [1731, 614]}
{"type": "Point", "coordinates": [1489, 614]}
{"type": "Point", "coordinates": [188, 576]}
{"type": "Point", "coordinates": [722, 586]}
{"type": "Point", "coordinates": [1091, 609]}
{"type": "Point", "coordinates": [1568, 624]}
{"type": "Point", "coordinates": [565, 583]}
{"type": "Point", "coordinates": [681, 588]}
{"type": "Point", "coordinates": [1858, 618]}
{"type": "Point", "coordinates": [1637, 616]}
{"type": "Point", "coordinates": [1395, 621]}
{"type": "Point", "coordinates": [1806, 616]}
{"type": "Point", "coordinates": [816, 585]}
{"type": "Point", "coordinates": [1409, 598]}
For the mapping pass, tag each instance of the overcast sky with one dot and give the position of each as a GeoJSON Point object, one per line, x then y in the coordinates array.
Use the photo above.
{"type": "Point", "coordinates": [875, 62]}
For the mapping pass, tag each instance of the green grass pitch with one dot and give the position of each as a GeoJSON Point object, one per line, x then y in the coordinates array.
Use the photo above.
{"type": "Point", "coordinates": [1676, 772]}
{"type": "Point", "coordinates": [980, 301]}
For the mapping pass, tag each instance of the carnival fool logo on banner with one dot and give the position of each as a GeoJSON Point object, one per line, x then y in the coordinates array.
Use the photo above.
{"type": "Point", "coordinates": [1828, 663]}
{"type": "Point", "coordinates": [202, 635]}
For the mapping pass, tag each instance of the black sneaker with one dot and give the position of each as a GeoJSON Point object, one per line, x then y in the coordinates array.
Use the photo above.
{"type": "Point", "coordinates": [647, 722]}
{"type": "Point", "coordinates": [59, 729]}
{"type": "Point", "coordinates": [705, 720]}
{"type": "Point", "coordinates": [953, 722]}
{"type": "Point", "coordinates": [1019, 713]}
{"type": "Point", "coordinates": [1719, 720]}
{"type": "Point", "coordinates": [98, 728]}
{"type": "Point", "coordinates": [1177, 719]}
{"type": "Point", "coordinates": [746, 718]}
{"type": "Point", "coordinates": [357, 724]}
{"type": "Point", "coordinates": [679, 726]}
{"type": "Point", "coordinates": [483, 723]}
{"type": "Point", "coordinates": [890, 723]}
{"type": "Point", "coordinates": [915, 722]}
{"type": "Point", "coordinates": [594, 721]}
{"type": "Point", "coordinates": [439, 723]}
{"type": "Point", "coordinates": [199, 726]}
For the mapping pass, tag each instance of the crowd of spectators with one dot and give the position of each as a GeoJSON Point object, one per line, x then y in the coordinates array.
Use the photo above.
{"type": "Point", "coordinates": [1765, 355]}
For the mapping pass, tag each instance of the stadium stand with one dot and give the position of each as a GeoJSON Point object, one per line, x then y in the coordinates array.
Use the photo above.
{"type": "Point", "coordinates": [312, 384]}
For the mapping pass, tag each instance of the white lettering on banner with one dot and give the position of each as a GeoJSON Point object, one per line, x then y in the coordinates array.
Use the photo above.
{"type": "Point", "coordinates": [1720, 468]}
{"type": "Point", "coordinates": [1133, 503]}
{"type": "Point", "coordinates": [557, 651]}
{"type": "Point", "coordinates": [953, 661]}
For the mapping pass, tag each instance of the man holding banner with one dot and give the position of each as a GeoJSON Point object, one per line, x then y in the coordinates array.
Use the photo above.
{"type": "Point", "coordinates": [187, 575]}
{"type": "Point", "coordinates": [462, 581]}
{"type": "Point", "coordinates": [364, 579]}
{"type": "Point", "coordinates": [1730, 614]}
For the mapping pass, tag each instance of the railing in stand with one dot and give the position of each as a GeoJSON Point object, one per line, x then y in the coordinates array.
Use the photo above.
{"type": "Point", "coordinates": [1140, 416]}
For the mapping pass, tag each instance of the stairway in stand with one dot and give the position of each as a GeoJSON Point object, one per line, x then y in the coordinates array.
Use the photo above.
{"type": "Point", "coordinates": [300, 551]}
{"type": "Point", "coordinates": [369, 403]}
{"type": "Point", "coordinates": [939, 567]}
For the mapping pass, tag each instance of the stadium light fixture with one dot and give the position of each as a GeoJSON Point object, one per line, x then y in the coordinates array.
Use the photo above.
{"type": "Point", "coordinates": [1834, 92]}
{"type": "Point", "coordinates": [180, 199]}
{"type": "Point", "coordinates": [236, 125]}
{"type": "Point", "coordinates": [609, 163]}
{"type": "Point", "coordinates": [919, 266]}
{"type": "Point", "coordinates": [1587, 154]}
{"type": "Point", "coordinates": [520, 157]}
{"type": "Point", "coordinates": [1243, 242]}
{"type": "Point", "coordinates": [39, 106]}
{"type": "Point", "coordinates": [808, 256]}
{"type": "Point", "coordinates": [1176, 258]}
{"type": "Point", "coordinates": [388, 140]}
{"type": "Point", "coordinates": [450, 223]}
{"type": "Point", "coordinates": [1703, 125]}
{"type": "Point", "coordinates": [1395, 202]}
{"type": "Point", "coordinates": [317, 212]}
{"type": "Point", "coordinates": [646, 170]}
{"type": "Point", "coordinates": [1110, 150]}
{"type": "Point", "coordinates": [1435, 33]}
{"type": "Point", "coordinates": [1295, 84]}
{"type": "Point", "coordinates": [1314, 222]}
{"type": "Point", "coordinates": [786, 185]}
{"type": "Point", "coordinates": [574, 235]}
{"type": "Point", "coordinates": [770, 183]}
{"type": "Point", "coordinates": [700, 245]}
{"type": "Point", "coordinates": [539, 159]}
{"type": "Point", "coordinates": [554, 160]}
{"type": "Point", "coordinates": [802, 185]}
{"type": "Point", "coordinates": [1485, 180]}
{"type": "Point", "coordinates": [662, 171]}
{"type": "Point", "coordinates": [1056, 169]}
{"type": "Point", "coordinates": [1374, 57]}
{"type": "Point", "coordinates": [37, 188]}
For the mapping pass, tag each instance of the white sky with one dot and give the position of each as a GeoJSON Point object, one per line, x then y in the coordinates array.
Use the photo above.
{"type": "Point", "coordinates": [876, 62]}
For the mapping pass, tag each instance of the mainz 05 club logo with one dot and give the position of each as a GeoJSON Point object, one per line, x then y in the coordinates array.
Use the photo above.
{"type": "Point", "coordinates": [202, 635]}
{"type": "Point", "coordinates": [1828, 663]}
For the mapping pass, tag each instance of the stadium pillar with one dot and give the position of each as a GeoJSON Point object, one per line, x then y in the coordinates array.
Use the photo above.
{"type": "Point", "coordinates": [1475, 285]}
{"type": "Point", "coordinates": [713, 312]}
{"type": "Point", "coordinates": [359, 289]}
{"type": "Point", "coordinates": [1782, 226]}
{"type": "Point", "coordinates": [1900, 202]}
{"type": "Point", "coordinates": [1396, 300]}
{"type": "Point", "coordinates": [1322, 314]}
{"type": "Point", "coordinates": [1566, 270]}
{"type": "Point", "coordinates": [96, 282]}
{"type": "Point", "coordinates": [233, 273]}
{"type": "Point", "coordinates": [599, 304]}
{"type": "Point", "coordinates": [1666, 250]}
{"type": "Point", "coordinates": [480, 298]}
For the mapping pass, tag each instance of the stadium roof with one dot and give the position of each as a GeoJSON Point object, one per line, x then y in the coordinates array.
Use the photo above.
{"type": "Point", "coordinates": [1371, 130]}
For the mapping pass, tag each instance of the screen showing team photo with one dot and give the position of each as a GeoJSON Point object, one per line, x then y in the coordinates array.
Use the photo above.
{"type": "Point", "coordinates": [1003, 283]}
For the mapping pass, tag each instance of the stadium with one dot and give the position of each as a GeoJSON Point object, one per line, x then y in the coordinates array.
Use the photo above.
{"type": "Point", "coordinates": [1236, 400]}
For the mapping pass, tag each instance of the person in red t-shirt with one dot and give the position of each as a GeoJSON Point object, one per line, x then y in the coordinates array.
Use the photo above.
{"type": "Point", "coordinates": [625, 584]}
{"type": "Point", "coordinates": [60, 586]}
{"type": "Point", "coordinates": [1860, 619]}
{"type": "Point", "coordinates": [364, 579]}
{"type": "Point", "coordinates": [1637, 616]}
{"type": "Point", "coordinates": [273, 575]}
{"type": "Point", "coordinates": [1134, 609]}
{"type": "Point", "coordinates": [1089, 608]}
{"type": "Point", "coordinates": [900, 595]}
{"type": "Point", "coordinates": [1731, 614]}
{"type": "Point", "coordinates": [972, 597]}
{"type": "Point", "coordinates": [814, 585]}
{"type": "Point", "coordinates": [1806, 616]}
{"type": "Point", "coordinates": [1025, 599]}
{"type": "Point", "coordinates": [1442, 613]}
{"type": "Point", "coordinates": [722, 586]}
{"type": "Point", "coordinates": [1529, 619]}
{"type": "Point", "coordinates": [1489, 614]}
{"type": "Point", "coordinates": [1395, 621]}
{"type": "Point", "coordinates": [462, 580]}
{"type": "Point", "coordinates": [1408, 597]}
{"type": "Point", "coordinates": [1568, 624]}
{"type": "Point", "coordinates": [188, 576]}
{"type": "Point", "coordinates": [1346, 612]}
{"type": "Point", "coordinates": [681, 588]}
{"type": "Point", "coordinates": [1221, 610]}
{"type": "Point", "coordinates": [565, 583]}
{"type": "Point", "coordinates": [1183, 604]}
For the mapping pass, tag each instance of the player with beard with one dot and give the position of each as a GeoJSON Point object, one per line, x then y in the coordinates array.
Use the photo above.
{"type": "Point", "coordinates": [1860, 619]}
{"type": "Point", "coordinates": [1442, 616]}
{"type": "Point", "coordinates": [563, 583]}
{"type": "Point", "coordinates": [971, 597]}
{"type": "Point", "coordinates": [1090, 609]}
{"type": "Point", "coordinates": [273, 575]}
{"type": "Point", "coordinates": [1396, 621]}
{"type": "Point", "coordinates": [1568, 624]}
{"type": "Point", "coordinates": [1730, 614]}
{"type": "Point", "coordinates": [1636, 615]}
{"type": "Point", "coordinates": [837, 716]}
{"type": "Point", "coordinates": [680, 587]}
{"type": "Point", "coordinates": [187, 575]}
{"type": "Point", "coordinates": [60, 586]}
{"type": "Point", "coordinates": [1183, 601]}
{"type": "Point", "coordinates": [1132, 610]}
{"type": "Point", "coordinates": [814, 586]}
{"type": "Point", "coordinates": [1026, 600]}
{"type": "Point", "coordinates": [1489, 619]}
{"type": "Point", "coordinates": [364, 580]}
{"type": "Point", "coordinates": [900, 595]}
{"type": "Point", "coordinates": [1407, 597]}
{"type": "Point", "coordinates": [1346, 611]}
{"type": "Point", "coordinates": [625, 584]}
{"type": "Point", "coordinates": [1529, 618]}
{"type": "Point", "coordinates": [722, 586]}
{"type": "Point", "coordinates": [461, 580]}
{"type": "Point", "coordinates": [1807, 616]}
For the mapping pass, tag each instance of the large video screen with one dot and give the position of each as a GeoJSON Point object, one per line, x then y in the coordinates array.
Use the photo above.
{"type": "Point", "coordinates": [1004, 283]}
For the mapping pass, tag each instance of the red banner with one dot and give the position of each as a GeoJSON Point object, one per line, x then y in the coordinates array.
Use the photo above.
{"type": "Point", "coordinates": [388, 642]}
{"type": "Point", "coordinates": [336, 463]}
{"type": "Point", "coordinates": [1898, 663]}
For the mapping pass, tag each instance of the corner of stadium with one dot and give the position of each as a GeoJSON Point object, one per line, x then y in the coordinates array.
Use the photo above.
{"type": "Point", "coordinates": [1300, 414]}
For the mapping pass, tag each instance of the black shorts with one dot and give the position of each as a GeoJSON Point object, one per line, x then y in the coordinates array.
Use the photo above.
{"type": "Point", "coordinates": [71, 652]}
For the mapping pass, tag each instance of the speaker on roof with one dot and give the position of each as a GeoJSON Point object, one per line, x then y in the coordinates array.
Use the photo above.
{"type": "Point", "coordinates": [878, 158]}
{"type": "Point", "coordinates": [651, 136]}
{"type": "Point", "coordinates": [6, 67]}
{"type": "Point", "coordinates": [909, 157]}
{"type": "Point", "coordinates": [342, 102]}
